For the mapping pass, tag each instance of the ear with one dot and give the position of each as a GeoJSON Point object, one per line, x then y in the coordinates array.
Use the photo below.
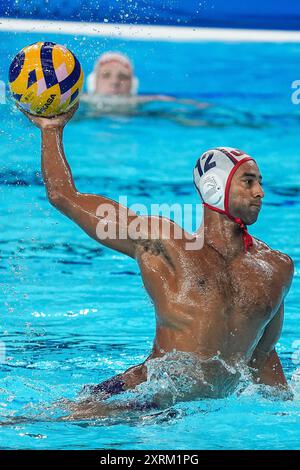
{"type": "Point", "coordinates": [134, 86]}
{"type": "Point", "coordinates": [91, 83]}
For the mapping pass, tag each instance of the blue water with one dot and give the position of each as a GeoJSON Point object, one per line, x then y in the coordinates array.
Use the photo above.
{"type": "Point", "coordinates": [73, 312]}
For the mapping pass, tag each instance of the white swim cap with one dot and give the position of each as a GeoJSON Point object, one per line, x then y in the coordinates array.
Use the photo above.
{"type": "Point", "coordinates": [106, 58]}
{"type": "Point", "coordinates": [213, 173]}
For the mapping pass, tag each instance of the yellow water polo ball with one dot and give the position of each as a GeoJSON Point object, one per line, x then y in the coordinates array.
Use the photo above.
{"type": "Point", "coordinates": [45, 79]}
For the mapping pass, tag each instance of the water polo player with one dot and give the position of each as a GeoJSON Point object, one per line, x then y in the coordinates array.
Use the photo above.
{"type": "Point", "coordinates": [112, 86]}
{"type": "Point", "coordinates": [218, 301]}
{"type": "Point", "coordinates": [112, 76]}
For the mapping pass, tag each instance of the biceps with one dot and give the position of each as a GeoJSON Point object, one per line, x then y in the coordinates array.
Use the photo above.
{"type": "Point", "coordinates": [101, 218]}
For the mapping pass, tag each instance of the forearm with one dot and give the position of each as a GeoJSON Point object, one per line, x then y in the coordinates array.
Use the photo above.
{"type": "Point", "coordinates": [269, 371]}
{"type": "Point", "coordinates": [55, 169]}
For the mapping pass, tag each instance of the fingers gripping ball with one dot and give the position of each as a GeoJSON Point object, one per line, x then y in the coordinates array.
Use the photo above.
{"type": "Point", "coordinates": [45, 79]}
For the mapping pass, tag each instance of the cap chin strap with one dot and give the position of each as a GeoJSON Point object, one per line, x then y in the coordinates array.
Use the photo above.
{"type": "Point", "coordinates": [247, 239]}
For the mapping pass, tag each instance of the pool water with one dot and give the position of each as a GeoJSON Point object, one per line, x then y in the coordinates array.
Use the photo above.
{"type": "Point", "coordinates": [73, 312]}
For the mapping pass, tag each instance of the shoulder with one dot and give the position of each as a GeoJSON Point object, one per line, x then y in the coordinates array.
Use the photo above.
{"type": "Point", "coordinates": [276, 255]}
{"type": "Point", "coordinates": [283, 261]}
{"type": "Point", "coordinates": [286, 267]}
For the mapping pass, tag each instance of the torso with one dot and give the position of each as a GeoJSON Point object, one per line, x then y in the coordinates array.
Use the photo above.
{"type": "Point", "coordinates": [209, 307]}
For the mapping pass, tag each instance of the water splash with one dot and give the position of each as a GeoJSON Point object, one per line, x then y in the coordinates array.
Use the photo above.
{"type": "Point", "coordinates": [182, 376]}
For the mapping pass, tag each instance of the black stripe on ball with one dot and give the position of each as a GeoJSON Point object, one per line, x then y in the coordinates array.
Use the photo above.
{"type": "Point", "coordinates": [31, 78]}
{"type": "Point", "coordinates": [74, 95]}
{"type": "Point", "coordinates": [17, 97]}
{"type": "Point", "coordinates": [47, 64]}
{"type": "Point", "coordinates": [16, 66]}
{"type": "Point", "coordinates": [70, 81]}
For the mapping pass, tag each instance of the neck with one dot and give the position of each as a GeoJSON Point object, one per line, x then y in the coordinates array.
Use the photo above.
{"type": "Point", "coordinates": [222, 234]}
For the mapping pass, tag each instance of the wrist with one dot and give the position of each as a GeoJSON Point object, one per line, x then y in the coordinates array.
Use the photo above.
{"type": "Point", "coordinates": [57, 130]}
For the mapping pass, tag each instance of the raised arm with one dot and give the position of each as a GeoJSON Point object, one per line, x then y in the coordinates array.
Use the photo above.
{"type": "Point", "coordinates": [101, 218]}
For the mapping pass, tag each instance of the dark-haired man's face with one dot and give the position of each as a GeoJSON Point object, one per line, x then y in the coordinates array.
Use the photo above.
{"type": "Point", "coordinates": [246, 193]}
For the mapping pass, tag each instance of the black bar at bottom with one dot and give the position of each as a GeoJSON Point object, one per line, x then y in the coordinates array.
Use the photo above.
{"type": "Point", "coordinates": [131, 458]}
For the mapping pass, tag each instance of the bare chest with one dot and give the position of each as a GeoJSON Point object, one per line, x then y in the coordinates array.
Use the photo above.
{"type": "Point", "coordinates": [250, 285]}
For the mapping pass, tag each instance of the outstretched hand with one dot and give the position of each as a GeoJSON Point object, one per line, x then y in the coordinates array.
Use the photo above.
{"type": "Point", "coordinates": [55, 122]}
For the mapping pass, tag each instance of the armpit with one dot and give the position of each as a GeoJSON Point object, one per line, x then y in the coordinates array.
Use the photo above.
{"type": "Point", "coordinates": [155, 248]}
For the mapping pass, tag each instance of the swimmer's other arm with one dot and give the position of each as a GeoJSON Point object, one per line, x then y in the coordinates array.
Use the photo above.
{"type": "Point", "coordinates": [265, 363]}
{"type": "Point", "coordinates": [165, 98]}
{"type": "Point", "coordinates": [101, 218]}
